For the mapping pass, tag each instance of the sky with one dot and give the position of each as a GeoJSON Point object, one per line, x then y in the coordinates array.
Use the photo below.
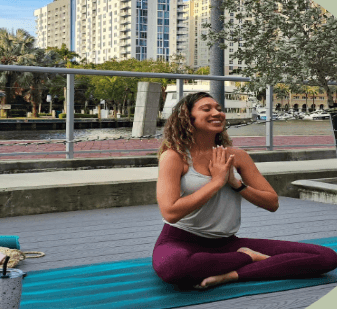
{"type": "Point", "coordinates": [20, 13]}
{"type": "Point", "coordinates": [17, 14]}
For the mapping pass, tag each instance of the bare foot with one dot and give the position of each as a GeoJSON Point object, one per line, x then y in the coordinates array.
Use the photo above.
{"type": "Point", "coordinates": [256, 256]}
{"type": "Point", "coordinates": [215, 280]}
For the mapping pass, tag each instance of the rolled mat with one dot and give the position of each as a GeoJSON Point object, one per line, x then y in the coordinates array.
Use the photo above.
{"type": "Point", "coordinates": [9, 241]}
{"type": "Point", "coordinates": [134, 284]}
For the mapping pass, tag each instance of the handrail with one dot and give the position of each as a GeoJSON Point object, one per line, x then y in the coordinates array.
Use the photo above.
{"type": "Point", "coordinates": [22, 68]}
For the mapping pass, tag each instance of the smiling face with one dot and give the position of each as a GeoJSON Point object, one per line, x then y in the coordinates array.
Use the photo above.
{"type": "Point", "coordinates": [207, 115]}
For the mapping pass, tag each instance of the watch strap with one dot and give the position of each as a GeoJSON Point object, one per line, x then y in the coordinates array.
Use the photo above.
{"type": "Point", "coordinates": [243, 186]}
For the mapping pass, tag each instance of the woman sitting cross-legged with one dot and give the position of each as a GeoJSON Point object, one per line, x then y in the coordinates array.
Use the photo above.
{"type": "Point", "coordinates": [201, 182]}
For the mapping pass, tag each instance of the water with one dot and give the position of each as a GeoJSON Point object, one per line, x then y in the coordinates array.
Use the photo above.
{"type": "Point", "coordinates": [291, 127]}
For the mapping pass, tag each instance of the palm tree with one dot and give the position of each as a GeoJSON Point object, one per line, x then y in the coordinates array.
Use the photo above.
{"type": "Point", "coordinates": [282, 91]}
{"type": "Point", "coordinates": [313, 90]}
{"type": "Point", "coordinates": [35, 81]}
{"type": "Point", "coordinates": [14, 49]}
{"type": "Point", "coordinates": [67, 55]}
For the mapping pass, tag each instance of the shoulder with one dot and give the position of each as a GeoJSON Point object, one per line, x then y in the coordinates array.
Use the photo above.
{"type": "Point", "coordinates": [171, 159]}
{"type": "Point", "coordinates": [170, 154]}
{"type": "Point", "coordinates": [241, 156]}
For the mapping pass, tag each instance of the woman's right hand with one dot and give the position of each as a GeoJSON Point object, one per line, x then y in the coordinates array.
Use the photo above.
{"type": "Point", "coordinates": [218, 166]}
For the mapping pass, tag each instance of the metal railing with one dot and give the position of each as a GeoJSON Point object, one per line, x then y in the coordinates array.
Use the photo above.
{"type": "Point", "coordinates": [180, 88]}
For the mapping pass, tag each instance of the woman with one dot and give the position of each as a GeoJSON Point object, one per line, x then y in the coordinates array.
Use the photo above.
{"type": "Point", "coordinates": [201, 181]}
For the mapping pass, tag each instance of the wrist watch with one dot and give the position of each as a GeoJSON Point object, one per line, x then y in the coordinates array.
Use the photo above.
{"type": "Point", "coordinates": [243, 186]}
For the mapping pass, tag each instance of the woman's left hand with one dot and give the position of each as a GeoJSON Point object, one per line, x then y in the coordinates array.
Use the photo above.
{"type": "Point", "coordinates": [232, 181]}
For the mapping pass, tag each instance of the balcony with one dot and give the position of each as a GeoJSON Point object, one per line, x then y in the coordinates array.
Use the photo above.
{"type": "Point", "coordinates": [125, 29]}
{"type": "Point", "coordinates": [125, 37]}
{"type": "Point", "coordinates": [126, 6]}
{"type": "Point", "coordinates": [125, 43]}
{"type": "Point", "coordinates": [181, 25]}
{"type": "Point", "coordinates": [126, 21]}
{"type": "Point", "coordinates": [181, 39]}
{"type": "Point", "coordinates": [125, 13]}
{"type": "Point", "coordinates": [125, 51]}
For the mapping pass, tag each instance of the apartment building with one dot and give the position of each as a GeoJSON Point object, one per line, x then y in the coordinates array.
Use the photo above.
{"type": "Point", "coordinates": [55, 24]}
{"type": "Point", "coordinates": [100, 30]}
{"type": "Point", "coordinates": [199, 13]}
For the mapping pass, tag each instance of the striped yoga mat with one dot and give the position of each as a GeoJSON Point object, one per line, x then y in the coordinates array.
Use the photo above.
{"type": "Point", "coordinates": [134, 284]}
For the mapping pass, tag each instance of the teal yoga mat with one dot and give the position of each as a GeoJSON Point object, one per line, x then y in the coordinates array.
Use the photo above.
{"type": "Point", "coordinates": [9, 241]}
{"type": "Point", "coordinates": [134, 284]}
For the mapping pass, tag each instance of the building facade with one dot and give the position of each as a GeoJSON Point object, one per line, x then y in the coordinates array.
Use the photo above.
{"type": "Point", "coordinates": [199, 13]}
{"type": "Point", "coordinates": [55, 24]}
{"type": "Point", "coordinates": [101, 30]}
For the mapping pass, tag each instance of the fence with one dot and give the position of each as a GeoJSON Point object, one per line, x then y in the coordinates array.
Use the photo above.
{"type": "Point", "coordinates": [179, 78]}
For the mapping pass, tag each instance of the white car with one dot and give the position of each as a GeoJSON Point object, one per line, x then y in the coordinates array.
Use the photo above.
{"type": "Point", "coordinates": [317, 115]}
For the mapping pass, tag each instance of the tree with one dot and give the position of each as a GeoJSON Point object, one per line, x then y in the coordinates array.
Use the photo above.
{"type": "Point", "coordinates": [35, 81]}
{"type": "Point", "coordinates": [14, 50]}
{"type": "Point", "coordinates": [202, 71]}
{"type": "Point", "coordinates": [282, 91]}
{"type": "Point", "coordinates": [68, 56]}
{"type": "Point", "coordinates": [314, 91]}
{"type": "Point", "coordinates": [282, 41]}
{"type": "Point", "coordinates": [65, 53]}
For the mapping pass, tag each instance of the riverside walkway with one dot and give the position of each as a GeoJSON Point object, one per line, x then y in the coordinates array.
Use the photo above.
{"type": "Point", "coordinates": [280, 142]}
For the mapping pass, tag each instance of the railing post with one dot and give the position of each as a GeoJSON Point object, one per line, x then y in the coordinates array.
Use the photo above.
{"type": "Point", "coordinates": [180, 89]}
{"type": "Point", "coordinates": [70, 117]}
{"type": "Point", "coordinates": [269, 118]}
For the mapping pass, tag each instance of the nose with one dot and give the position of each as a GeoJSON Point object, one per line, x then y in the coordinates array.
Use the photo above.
{"type": "Point", "coordinates": [216, 112]}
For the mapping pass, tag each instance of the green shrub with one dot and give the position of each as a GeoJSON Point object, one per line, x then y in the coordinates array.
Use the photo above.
{"type": "Point", "coordinates": [44, 114]}
{"type": "Point", "coordinates": [61, 116]}
{"type": "Point", "coordinates": [11, 113]}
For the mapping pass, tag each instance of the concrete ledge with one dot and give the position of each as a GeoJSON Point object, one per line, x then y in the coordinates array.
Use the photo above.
{"type": "Point", "coordinates": [322, 190]}
{"type": "Point", "coordinates": [49, 165]}
{"type": "Point", "coordinates": [31, 201]}
{"type": "Point", "coordinates": [31, 193]}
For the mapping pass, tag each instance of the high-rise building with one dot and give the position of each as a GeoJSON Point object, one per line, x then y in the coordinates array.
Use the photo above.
{"type": "Point", "coordinates": [199, 13]}
{"type": "Point", "coordinates": [55, 24]}
{"type": "Point", "coordinates": [100, 30]}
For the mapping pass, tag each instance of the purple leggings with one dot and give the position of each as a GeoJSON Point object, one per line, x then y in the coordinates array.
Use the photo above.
{"type": "Point", "coordinates": [180, 257]}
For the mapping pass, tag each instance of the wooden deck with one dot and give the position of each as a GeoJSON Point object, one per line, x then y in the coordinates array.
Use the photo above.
{"type": "Point", "coordinates": [94, 236]}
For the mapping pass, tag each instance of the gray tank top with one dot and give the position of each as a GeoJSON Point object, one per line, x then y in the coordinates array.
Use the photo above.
{"type": "Point", "coordinates": [219, 217]}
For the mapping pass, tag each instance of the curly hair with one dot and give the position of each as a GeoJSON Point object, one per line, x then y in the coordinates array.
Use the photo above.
{"type": "Point", "coordinates": [178, 130]}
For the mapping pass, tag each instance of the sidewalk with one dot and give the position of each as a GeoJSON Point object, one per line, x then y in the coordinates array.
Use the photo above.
{"type": "Point", "coordinates": [149, 146]}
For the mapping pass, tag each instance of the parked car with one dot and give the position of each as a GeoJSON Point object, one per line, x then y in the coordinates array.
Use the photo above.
{"type": "Point", "coordinates": [263, 116]}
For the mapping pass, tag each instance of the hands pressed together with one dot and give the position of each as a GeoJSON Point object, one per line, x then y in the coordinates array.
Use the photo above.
{"type": "Point", "coordinates": [221, 169]}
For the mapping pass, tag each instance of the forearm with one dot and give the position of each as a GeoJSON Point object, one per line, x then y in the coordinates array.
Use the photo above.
{"type": "Point", "coordinates": [185, 205]}
{"type": "Point", "coordinates": [263, 199]}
